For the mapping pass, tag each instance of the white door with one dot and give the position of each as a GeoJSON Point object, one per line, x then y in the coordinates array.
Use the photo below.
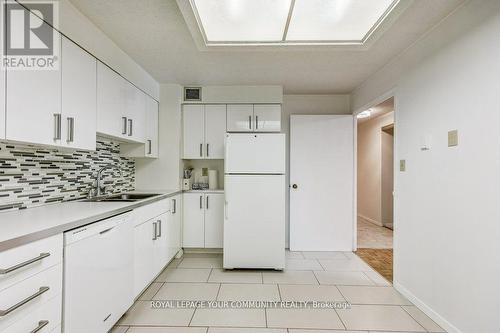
{"type": "Point", "coordinates": [193, 231]}
{"type": "Point", "coordinates": [2, 100]}
{"type": "Point", "coordinates": [254, 225]}
{"type": "Point", "coordinates": [322, 182]}
{"type": "Point", "coordinates": [240, 118]}
{"type": "Point", "coordinates": [143, 255]}
{"type": "Point", "coordinates": [151, 127]}
{"type": "Point", "coordinates": [111, 113]}
{"type": "Point", "coordinates": [79, 97]}
{"type": "Point", "coordinates": [255, 153]}
{"type": "Point", "coordinates": [267, 117]}
{"type": "Point", "coordinates": [193, 131]}
{"type": "Point", "coordinates": [174, 226]}
{"type": "Point", "coordinates": [214, 220]}
{"type": "Point", "coordinates": [215, 131]}
{"type": "Point", "coordinates": [34, 103]}
{"type": "Point", "coordinates": [136, 113]}
{"type": "Point", "coordinates": [161, 242]}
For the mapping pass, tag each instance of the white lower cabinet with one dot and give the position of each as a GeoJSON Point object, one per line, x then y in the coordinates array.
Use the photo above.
{"type": "Point", "coordinates": [156, 240]}
{"type": "Point", "coordinates": [203, 218]}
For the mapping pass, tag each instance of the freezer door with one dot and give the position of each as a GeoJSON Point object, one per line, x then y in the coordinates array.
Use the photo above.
{"type": "Point", "coordinates": [254, 221]}
{"type": "Point", "coordinates": [258, 153]}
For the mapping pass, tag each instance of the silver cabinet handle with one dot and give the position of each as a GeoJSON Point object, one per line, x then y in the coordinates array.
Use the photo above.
{"type": "Point", "coordinates": [41, 324]}
{"type": "Point", "coordinates": [207, 201]}
{"type": "Point", "coordinates": [225, 209]}
{"type": "Point", "coordinates": [249, 122]}
{"type": "Point", "coordinates": [149, 149]}
{"type": "Point", "coordinates": [155, 231]}
{"type": "Point", "coordinates": [201, 202]}
{"type": "Point", "coordinates": [208, 150]}
{"type": "Point", "coordinates": [124, 125]}
{"type": "Point", "coordinates": [25, 263]}
{"type": "Point", "coordinates": [256, 122]}
{"type": "Point", "coordinates": [174, 201]}
{"type": "Point", "coordinates": [57, 126]}
{"type": "Point", "coordinates": [130, 126]}
{"type": "Point", "coordinates": [24, 301]}
{"type": "Point", "coordinates": [201, 149]}
{"type": "Point", "coordinates": [71, 129]}
{"type": "Point", "coordinates": [159, 228]}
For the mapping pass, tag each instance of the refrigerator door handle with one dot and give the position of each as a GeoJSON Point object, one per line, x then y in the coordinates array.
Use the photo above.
{"type": "Point", "coordinates": [225, 210]}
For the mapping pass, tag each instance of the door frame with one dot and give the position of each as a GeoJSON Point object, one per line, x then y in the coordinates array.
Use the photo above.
{"type": "Point", "coordinates": [372, 103]}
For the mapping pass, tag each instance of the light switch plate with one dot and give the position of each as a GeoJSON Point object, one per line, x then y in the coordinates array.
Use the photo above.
{"type": "Point", "coordinates": [402, 165]}
{"type": "Point", "coordinates": [453, 138]}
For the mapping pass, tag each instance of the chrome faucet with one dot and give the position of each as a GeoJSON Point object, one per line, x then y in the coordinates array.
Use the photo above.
{"type": "Point", "coordinates": [100, 188]}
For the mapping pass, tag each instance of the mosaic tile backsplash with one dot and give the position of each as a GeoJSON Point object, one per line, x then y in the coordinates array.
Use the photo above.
{"type": "Point", "coordinates": [34, 176]}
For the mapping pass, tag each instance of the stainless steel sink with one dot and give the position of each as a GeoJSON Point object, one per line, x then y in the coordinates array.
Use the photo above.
{"type": "Point", "coordinates": [124, 197]}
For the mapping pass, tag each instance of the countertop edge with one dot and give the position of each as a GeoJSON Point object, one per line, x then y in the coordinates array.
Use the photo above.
{"type": "Point", "coordinates": [45, 233]}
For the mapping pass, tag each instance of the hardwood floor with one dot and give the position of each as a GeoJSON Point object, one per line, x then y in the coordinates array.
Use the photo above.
{"type": "Point", "coordinates": [379, 259]}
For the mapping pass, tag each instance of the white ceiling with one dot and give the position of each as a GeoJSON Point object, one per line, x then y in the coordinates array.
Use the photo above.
{"type": "Point", "coordinates": [154, 33]}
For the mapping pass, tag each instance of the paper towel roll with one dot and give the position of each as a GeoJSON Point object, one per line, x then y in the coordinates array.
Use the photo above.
{"type": "Point", "coordinates": [213, 183]}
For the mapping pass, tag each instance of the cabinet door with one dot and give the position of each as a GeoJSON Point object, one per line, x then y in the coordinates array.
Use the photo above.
{"type": "Point", "coordinates": [2, 101]}
{"type": "Point", "coordinates": [143, 255]}
{"type": "Point", "coordinates": [79, 97]}
{"type": "Point", "coordinates": [240, 118]}
{"type": "Point", "coordinates": [215, 131]}
{"type": "Point", "coordinates": [214, 220]}
{"type": "Point", "coordinates": [34, 103]}
{"type": "Point", "coordinates": [161, 243]}
{"type": "Point", "coordinates": [193, 131]}
{"type": "Point", "coordinates": [152, 115]}
{"type": "Point", "coordinates": [135, 107]}
{"type": "Point", "coordinates": [111, 115]}
{"type": "Point", "coordinates": [193, 232]}
{"type": "Point", "coordinates": [267, 117]}
{"type": "Point", "coordinates": [174, 226]}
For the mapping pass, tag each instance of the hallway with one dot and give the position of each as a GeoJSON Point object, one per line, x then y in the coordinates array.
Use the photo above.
{"type": "Point", "coordinates": [371, 236]}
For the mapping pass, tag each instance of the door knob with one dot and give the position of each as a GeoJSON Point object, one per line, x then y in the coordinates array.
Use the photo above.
{"type": "Point", "coordinates": [294, 186]}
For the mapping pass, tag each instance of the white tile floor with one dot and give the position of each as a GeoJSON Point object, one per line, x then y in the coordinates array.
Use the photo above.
{"type": "Point", "coordinates": [375, 306]}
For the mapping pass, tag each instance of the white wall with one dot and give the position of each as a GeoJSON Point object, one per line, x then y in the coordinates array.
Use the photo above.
{"type": "Point", "coordinates": [307, 104]}
{"type": "Point", "coordinates": [447, 246]}
{"type": "Point", "coordinates": [80, 29]}
{"type": "Point", "coordinates": [164, 172]}
{"type": "Point", "coordinates": [370, 168]}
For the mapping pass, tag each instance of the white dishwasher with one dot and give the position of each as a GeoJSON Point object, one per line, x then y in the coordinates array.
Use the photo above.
{"type": "Point", "coordinates": [98, 274]}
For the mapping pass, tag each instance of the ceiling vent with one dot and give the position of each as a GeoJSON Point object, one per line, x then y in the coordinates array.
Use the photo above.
{"type": "Point", "coordinates": [192, 94]}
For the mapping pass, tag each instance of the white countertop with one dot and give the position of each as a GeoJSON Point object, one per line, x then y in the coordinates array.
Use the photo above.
{"type": "Point", "coordinates": [204, 191]}
{"type": "Point", "coordinates": [23, 226]}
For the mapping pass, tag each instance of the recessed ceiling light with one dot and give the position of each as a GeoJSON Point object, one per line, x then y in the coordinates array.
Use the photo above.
{"type": "Point", "coordinates": [364, 114]}
{"type": "Point", "coordinates": [292, 22]}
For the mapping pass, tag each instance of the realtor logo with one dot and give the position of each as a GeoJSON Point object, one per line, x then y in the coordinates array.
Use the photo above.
{"type": "Point", "coordinates": [29, 41]}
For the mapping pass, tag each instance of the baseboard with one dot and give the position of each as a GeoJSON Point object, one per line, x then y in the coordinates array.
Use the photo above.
{"type": "Point", "coordinates": [450, 328]}
{"type": "Point", "coordinates": [367, 219]}
{"type": "Point", "coordinates": [201, 250]}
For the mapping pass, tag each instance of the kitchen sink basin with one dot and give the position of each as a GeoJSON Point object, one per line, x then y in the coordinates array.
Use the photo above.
{"type": "Point", "coordinates": [124, 197]}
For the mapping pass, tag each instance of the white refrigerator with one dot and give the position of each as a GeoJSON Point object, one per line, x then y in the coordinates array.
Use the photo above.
{"type": "Point", "coordinates": [254, 217]}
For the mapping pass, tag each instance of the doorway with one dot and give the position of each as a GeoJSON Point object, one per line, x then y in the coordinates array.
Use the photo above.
{"type": "Point", "coordinates": [375, 174]}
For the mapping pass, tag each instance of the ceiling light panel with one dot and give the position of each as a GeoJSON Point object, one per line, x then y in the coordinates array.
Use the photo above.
{"type": "Point", "coordinates": [335, 20]}
{"type": "Point", "coordinates": [242, 20]}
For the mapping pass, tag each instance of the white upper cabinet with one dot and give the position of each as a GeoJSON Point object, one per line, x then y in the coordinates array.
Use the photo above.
{"type": "Point", "coordinates": [79, 97]}
{"type": "Point", "coordinates": [240, 118]}
{"type": "Point", "coordinates": [204, 127]}
{"type": "Point", "coordinates": [151, 127]}
{"type": "Point", "coordinates": [267, 117]}
{"type": "Point", "coordinates": [2, 102]}
{"type": "Point", "coordinates": [215, 130]}
{"type": "Point", "coordinates": [111, 116]}
{"type": "Point", "coordinates": [193, 131]}
{"type": "Point", "coordinates": [254, 118]}
{"type": "Point", "coordinates": [33, 104]}
{"type": "Point", "coordinates": [121, 107]}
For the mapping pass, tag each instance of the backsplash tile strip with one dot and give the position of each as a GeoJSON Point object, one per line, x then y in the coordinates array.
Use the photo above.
{"type": "Point", "coordinates": [33, 176]}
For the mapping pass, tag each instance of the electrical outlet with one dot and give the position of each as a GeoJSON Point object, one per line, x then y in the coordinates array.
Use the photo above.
{"type": "Point", "coordinates": [453, 138]}
{"type": "Point", "coordinates": [402, 165]}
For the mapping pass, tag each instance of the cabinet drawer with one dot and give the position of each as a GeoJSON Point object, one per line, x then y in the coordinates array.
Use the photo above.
{"type": "Point", "coordinates": [28, 295]}
{"type": "Point", "coordinates": [47, 318]}
{"type": "Point", "coordinates": [24, 261]}
{"type": "Point", "coordinates": [145, 213]}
